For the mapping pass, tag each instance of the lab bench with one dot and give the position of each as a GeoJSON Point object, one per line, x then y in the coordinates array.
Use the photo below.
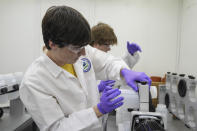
{"type": "Point", "coordinates": [16, 123]}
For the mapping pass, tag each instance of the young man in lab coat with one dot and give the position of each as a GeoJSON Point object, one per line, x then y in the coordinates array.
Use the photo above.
{"type": "Point", "coordinates": [103, 37]}
{"type": "Point", "coordinates": [59, 88]}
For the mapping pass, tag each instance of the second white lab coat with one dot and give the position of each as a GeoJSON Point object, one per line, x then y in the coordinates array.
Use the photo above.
{"type": "Point", "coordinates": [131, 60]}
{"type": "Point", "coordinates": [58, 101]}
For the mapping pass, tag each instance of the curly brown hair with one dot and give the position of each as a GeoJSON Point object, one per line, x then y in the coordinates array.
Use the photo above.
{"type": "Point", "coordinates": [103, 34]}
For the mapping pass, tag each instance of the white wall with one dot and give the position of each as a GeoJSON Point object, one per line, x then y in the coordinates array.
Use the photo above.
{"type": "Point", "coordinates": [19, 34]}
{"type": "Point", "coordinates": [188, 48]}
{"type": "Point", "coordinates": [151, 23]}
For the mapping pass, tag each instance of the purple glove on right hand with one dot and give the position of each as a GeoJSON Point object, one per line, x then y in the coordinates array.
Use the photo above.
{"type": "Point", "coordinates": [133, 47]}
{"type": "Point", "coordinates": [104, 84]}
{"type": "Point", "coordinates": [132, 76]}
{"type": "Point", "coordinates": [108, 102]}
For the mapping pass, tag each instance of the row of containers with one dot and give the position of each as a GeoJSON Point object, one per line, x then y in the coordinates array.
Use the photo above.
{"type": "Point", "coordinates": [179, 95]}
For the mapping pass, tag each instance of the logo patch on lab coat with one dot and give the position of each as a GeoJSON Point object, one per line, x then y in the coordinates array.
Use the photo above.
{"type": "Point", "coordinates": [86, 65]}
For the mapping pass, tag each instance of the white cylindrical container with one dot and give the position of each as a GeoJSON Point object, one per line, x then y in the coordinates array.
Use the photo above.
{"type": "Point", "coordinates": [168, 80]}
{"type": "Point", "coordinates": [161, 108]}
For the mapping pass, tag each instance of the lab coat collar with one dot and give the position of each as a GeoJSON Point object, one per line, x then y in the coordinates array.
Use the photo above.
{"type": "Point", "coordinates": [80, 74]}
{"type": "Point", "coordinates": [53, 68]}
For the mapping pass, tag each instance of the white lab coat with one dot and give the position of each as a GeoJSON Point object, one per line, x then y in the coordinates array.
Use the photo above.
{"type": "Point", "coordinates": [58, 101]}
{"type": "Point", "coordinates": [131, 60]}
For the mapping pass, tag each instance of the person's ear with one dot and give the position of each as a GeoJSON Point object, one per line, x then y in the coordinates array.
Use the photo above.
{"type": "Point", "coordinates": [52, 45]}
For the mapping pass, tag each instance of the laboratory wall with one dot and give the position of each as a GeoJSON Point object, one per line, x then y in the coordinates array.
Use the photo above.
{"type": "Point", "coordinates": [153, 24]}
{"type": "Point", "coordinates": [188, 45]}
{"type": "Point", "coordinates": [19, 34]}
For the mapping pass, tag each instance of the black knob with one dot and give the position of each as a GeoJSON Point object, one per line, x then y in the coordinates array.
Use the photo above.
{"type": "Point", "coordinates": [182, 75]}
{"type": "Point", "coordinates": [182, 88]}
{"type": "Point", "coordinates": [137, 81]}
{"type": "Point", "coordinates": [130, 109]}
{"type": "Point", "coordinates": [174, 73]}
{"type": "Point", "coordinates": [143, 82]}
{"type": "Point", "coordinates": [191, 77]}
{"type": "Point", "coordinates": [1, 112]}
{"type": "Point", "coordinates": [16, 87]}
{"type": "Point", "coordinates": [167, 100]}
{"type": "Point", "coordinates": [4, 90]}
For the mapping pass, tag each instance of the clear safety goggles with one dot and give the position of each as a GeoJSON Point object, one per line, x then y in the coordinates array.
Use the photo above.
{"type": "Point", "coordinates": [108, 44]}
{"type": "Point", "coordinates": [75, 49]}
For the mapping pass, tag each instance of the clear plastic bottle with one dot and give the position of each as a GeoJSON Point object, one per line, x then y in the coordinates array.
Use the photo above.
{"type": "Point", "coordinates": [161, 108]}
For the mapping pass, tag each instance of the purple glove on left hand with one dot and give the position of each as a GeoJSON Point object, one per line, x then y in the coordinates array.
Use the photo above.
{"type": "Point", "coordinates": [104, 84]}
{"type": "Point", "coordinates": [133, 47]}
{"type": "Point", "coordinates": [132, 76]}
{"type": "Point", "coordinates": [110, 100]}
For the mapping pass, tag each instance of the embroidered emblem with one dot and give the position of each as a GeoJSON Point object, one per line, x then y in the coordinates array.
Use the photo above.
{"type": "Point", "coordinates": [86, 65]}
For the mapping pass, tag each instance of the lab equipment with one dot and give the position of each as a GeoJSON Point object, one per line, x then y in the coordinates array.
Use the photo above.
{"type": "Point", "coordinates": [134, 114]}
{"type": "Point", "coordinates": [133, 47]}
{"type": "Point", "coordinates": [162, 93]}
{"type": "Point", "coordinates": [171, 92]}
{"type": "Point", "coordinates": [180, 98]}
{"type": "Point", "coordinates": [182, 85]}
{"type": "Point", "coordinates": [191, 115]}
{"type": "Point", "coordinates": [12, 110]}
{"type": "Point", "coordinates": [164, 111]}
{"type": "Point", "coordinates": [191, 105]}
{"type": "Point", "coordinates": [143, 119]}
{"type": "Point", "coordinates": [9, 86]}
{"type": "Point", "coordinates": [131, 103]}
{"type": "Point", "coordinates": [165, 95]}
{"type": "Point", "coordinates": [191, 85]}
{"type": "Point", "coordinates": [168, 80]}
{"type": "Point", "coordinates": [174, 80]}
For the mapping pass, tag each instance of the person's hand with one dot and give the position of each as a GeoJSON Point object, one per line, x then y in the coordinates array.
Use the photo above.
{"type": "Point", "coordinates": [133, 47]}
{"type": "Point", "coordinates": [104, 84]}
{"type": "Point", "coordinates": [109, 100]}
{"type": "Point", "coordinates": [132, 76]}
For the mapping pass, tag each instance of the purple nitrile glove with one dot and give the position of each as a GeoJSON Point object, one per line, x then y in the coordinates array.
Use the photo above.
{"type": "Point", "coordinates": [132, 76]}
{"type": "Point", "coordinates": [108, 100]}
{"type": "Point", "coordinates": [103, 84]}
{"type": "Point", "coordinates": [133, 47]}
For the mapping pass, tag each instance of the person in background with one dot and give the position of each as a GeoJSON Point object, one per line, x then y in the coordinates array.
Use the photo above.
{"type": "Point", "coordinates": [59, 88]}
{"type": "Point", "coordinates": [103, 37]}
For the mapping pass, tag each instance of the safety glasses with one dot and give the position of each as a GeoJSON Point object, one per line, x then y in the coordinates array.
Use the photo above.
{"type": "Point", "coordinates": [108, 44]}
{"type": "Point", "coordinates": [75, 49]}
